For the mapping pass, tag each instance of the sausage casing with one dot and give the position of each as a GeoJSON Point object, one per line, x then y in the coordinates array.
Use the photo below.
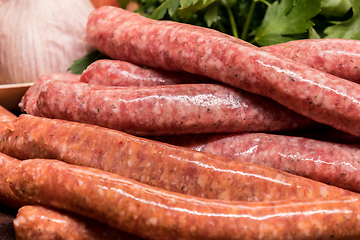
{"type": "Point", "coordinates": [154, 213]}
{"type": "Point", "coordinates": [163, 165]}
{"type": "Point", "coordinates": [175, 46]}
{"type": "Point", "coordinates": [340, 57]}
{"type": "Point", "coordinates": [120, 73]}
{"type": "Point", "coordinates": [29, 100]}
{"type": "Point", "coordinates": [41, 223]}
{"type": "Point", "coordinates": [167, 110]}
{"type": "Point", "coordinates": [332, 163]}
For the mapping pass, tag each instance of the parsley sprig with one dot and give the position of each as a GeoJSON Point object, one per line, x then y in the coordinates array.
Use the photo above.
{"type": "Point", "coordinates": [262, 22]}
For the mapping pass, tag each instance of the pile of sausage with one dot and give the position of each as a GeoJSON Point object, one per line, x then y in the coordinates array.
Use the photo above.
{"type": "Point", "coordinates": [189, 147]}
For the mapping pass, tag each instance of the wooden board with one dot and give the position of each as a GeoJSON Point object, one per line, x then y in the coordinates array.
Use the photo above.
{"type": "Point", "coordinates": [11, 94]}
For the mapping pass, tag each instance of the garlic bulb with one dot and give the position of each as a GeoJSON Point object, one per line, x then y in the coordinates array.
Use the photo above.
{"type": "Point", "coordinates": [41, 36]}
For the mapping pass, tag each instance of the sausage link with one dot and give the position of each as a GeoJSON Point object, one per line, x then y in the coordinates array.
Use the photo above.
{"type": "Point", "coordinates": [120, 73]}
{"type": "Point", "coordinates": [332, 163]}
{"type": "Point", "coordinates": [162, 165]}
{"type": "Point", "coordinates": [167, 110]}
{"type": "Point", "coordinates": [41, 223]}
{"type": "Point", "coordinates": [7, 197]}
{"type": "Point", "coordinates": [28, 102]}
{"type": "Point", "coordinates": [154, 213]}
{"type": "Point", "coordinates": [340, 57]}
{"type": "Point", "coordinates": [175, 46]}
{"type": "Point", "coordinates": [5, 116]}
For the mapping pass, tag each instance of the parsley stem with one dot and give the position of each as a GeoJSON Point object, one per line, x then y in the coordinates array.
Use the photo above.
{"type": "Point", "coordinates": [263, 1]}
{"type": "Point", "coordinates": [248, 20]}
{"type": "Point", "coordinates": [232, 21]}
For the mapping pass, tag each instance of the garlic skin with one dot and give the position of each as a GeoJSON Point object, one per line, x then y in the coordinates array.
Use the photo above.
{"type": "Point", "coordinates": [38, 37]}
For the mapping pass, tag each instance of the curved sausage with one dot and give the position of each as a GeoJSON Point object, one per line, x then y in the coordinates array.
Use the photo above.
{"type": "Point", "coordinates": [332, 163]}
{"type": "Point", "coordinates": [28, 102]}
{"type": "Point", "coordinates": [120, 73]}
{"type": "Point", "coordinates": [340, 57]}
{"type": "Point", "coordinates": [154, 213]}
{"type": "Point", "coordinates": [167, 110]}
{"type": "Point", "coordinates": [175, 46]}
{"type": "Point", "coordinates": [5, 116]}
{"type": "Point", "coordinates": [162, 165]}
{"type": "Point", "coordinates": [41, 223]}
{"type": "Point", "coordinates": [7, 197]}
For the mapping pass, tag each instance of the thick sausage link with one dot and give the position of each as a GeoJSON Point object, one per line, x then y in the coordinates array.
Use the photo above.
{"type": "Point", "coordinates": [7, 197]}
{"type": "Point", "coordinates": [154, 213]}
{"type": "Point", "coordinates": [175, 46]}
{"type": "Point", "coordinates": [332, 163]}
{"type": "Point", "coordinates": [162, 165]}
{"type": "Point", "coordinates": [340, 57]}
{"type": "Point", "coordinates": [167, 110]}
{"type": "Point", "coordinates": [41, 223]}
{"type": "Point", "coordinates": [120, 73]}
{"type": "Point", "coordinates": [28, 102]}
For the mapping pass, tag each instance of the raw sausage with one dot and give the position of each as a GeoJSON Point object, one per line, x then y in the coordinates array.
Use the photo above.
{"type": "Point", "coordinates": [41, 223]}
{"type": "Point", "coordinates": [167, 110]}
{"type": "Point", "coordinates": [120, 73]}
{"type": "Point", "coordinates": [7, 197]}
{"type": "Point", "coordinates": [5, 116]}
{"type": "Point", "coordinates": [28, 102]}
{"type": "Point", "coordinates": [340, 57]}
{"type": "Point", "coordinates": [162, 165]}
{"type": "Point", "coordinates": [332, 163]}
{"type": "Point", "coordinates": [175, 46]}
{"type": "Point", "coordinates": [154, 213]}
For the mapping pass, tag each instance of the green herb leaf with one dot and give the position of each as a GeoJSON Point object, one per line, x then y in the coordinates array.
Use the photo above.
{"type": "Point", "coordinates": [313, 34]}
{"type": "Point", "coordinates": [211, 14]}
{"type": "Point", "coordinates": [349, 29]}
{"type": "Point", "coordinates": [169, 5]}
{"type": "Point", "coordinates": [285, 19]}
{"type": "Point", "coordinates": [335, 7]}
{"type": "Point", "coordinates": [182, 12]}
{"type": "Point", "coordinates": [187, 3]}
{"type": "Point", "coordinates": [81, 64]}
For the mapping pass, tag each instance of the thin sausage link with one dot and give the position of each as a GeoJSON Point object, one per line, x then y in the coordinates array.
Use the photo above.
{"type": "Point", "coordinates": [120, 73]}
{"type": "Point", "coordinates": [28, 102]}
{"type": "Point", "coordinates": [340, 57]}
{"type": "Point", "coordinates": [153, 213]}
{"type": "Point", "coordinates": [7, 197]}
{"type": "Point", "coordinates": [332, 163]}
{"type": "Point", "coordinates": [173, 168]}
{"type": "Point", "coordinates": [5, 117]}
{"type": "Point", "coordinates": [167, 110]}
{"type": "Point", "coordinates": [180, 47]}
{"type": "Point", "coordinates": [41, 223]}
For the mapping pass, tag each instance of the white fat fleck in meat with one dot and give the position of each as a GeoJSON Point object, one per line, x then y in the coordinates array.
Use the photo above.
{"type": "Point", "coordinates": [80, 182]}
{"type": "Point", "coordinates": [225, 195]}
{"type": "Point", "coordinates": [323, 191]}
{"type": "Point", "coordinates": [130, 163]}
{"type": "Point", "coordinates": [19, 221]}
{"type": "Point", "coordinates": [152, 221]}
{"type": "Point", "coordinates": [116, 110]}
{"type": "Point", "coordinates": [101, 192]}
{"type": "Point", "coordinates": [202, 180]}
{"type": "Point", "coordinates": [64, 148]}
